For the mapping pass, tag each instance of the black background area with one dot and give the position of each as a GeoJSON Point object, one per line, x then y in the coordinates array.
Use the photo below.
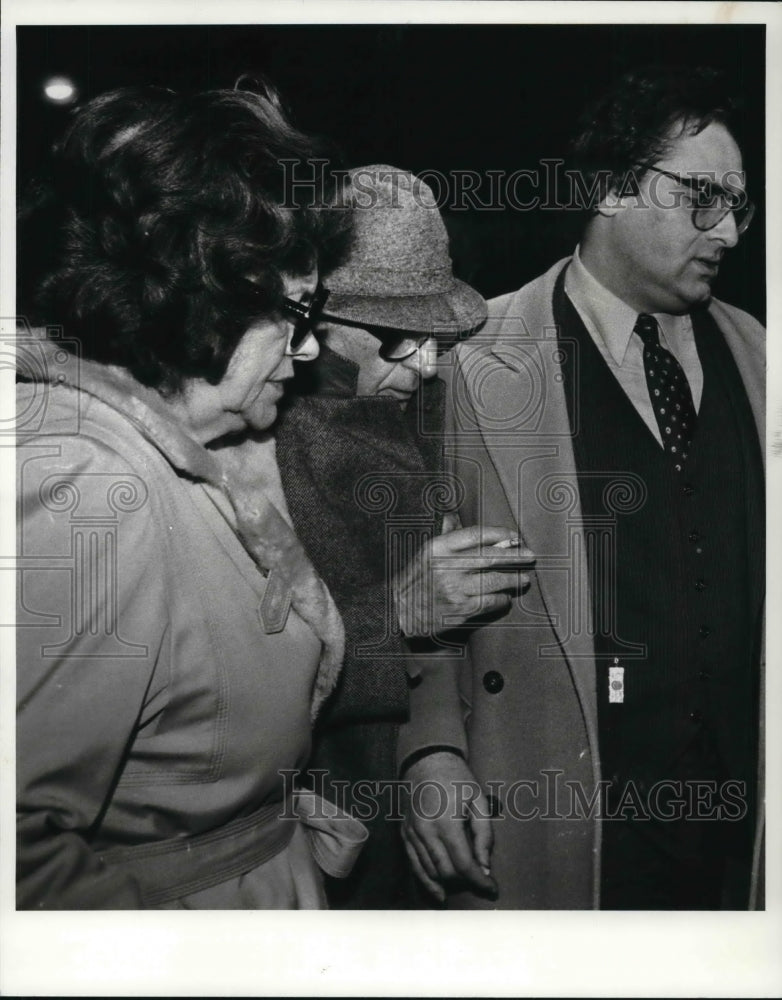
{"type": "Point", "coordinates": [425, 98]}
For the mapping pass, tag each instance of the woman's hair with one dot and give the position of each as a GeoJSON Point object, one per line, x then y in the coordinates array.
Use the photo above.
{"type": "Point", "coordinates": [167, 223]}
{"type": "Point", "coordinates": [632, 126]}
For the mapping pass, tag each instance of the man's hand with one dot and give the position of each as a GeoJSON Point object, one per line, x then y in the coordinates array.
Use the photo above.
{"type": "Point", "coordinates": [454, 845]}
{"type": "Point", "coordinates": [458, 575]}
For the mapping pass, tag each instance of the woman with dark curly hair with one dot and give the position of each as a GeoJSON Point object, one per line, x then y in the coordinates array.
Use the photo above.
{"type": "Point", "coordinates": [175, 642]}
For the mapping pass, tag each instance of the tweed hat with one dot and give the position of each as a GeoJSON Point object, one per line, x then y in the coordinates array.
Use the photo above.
{"type": "Point", "coordinates": [398, 272]}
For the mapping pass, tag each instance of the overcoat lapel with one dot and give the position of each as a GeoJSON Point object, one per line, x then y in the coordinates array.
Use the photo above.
{"type": "Point", "coordinates": [750, 358]}
{"type": "Point", "coordinates": [533, 457]}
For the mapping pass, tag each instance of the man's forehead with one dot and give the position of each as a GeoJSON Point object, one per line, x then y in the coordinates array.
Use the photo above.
{"type": "Point", "coordinates": [712, 152]}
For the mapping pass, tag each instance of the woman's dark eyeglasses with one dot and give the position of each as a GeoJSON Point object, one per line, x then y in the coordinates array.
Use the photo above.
{"type": "Point", "coordinates": [712, 202]}
{"type": "Point", "coordinates": [305, 315]}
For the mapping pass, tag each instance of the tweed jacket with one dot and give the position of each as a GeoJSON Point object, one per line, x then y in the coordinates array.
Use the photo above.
{"type": "Point", "coordinates": [353, 468]}
{"type": "Point", "coordinates": [362, 477]}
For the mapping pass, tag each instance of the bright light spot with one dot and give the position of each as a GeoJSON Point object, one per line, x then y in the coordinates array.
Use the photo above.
{"type": "Point", "coordinates": [60, 90]}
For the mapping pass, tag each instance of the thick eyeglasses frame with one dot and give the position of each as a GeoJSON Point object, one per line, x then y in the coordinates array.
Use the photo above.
{"type": "Point", "coordinates": [393, 345]}
{"type": "Point", "coordinates": [306, 315]}
{"type": "Point", "coordinates": [743, 211]}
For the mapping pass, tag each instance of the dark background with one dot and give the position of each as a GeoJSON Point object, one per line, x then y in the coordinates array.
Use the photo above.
{"type": "Point", "coordinates": [425, 97]}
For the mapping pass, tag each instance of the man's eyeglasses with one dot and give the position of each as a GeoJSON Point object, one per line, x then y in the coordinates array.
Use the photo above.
{"type": "Point", "coordinates": [399, 348]}
{"type": "Point", "coordinates": [394, 346]}
{"type": "Point", "coordinates": [306, 315]}
{"type": "Point", "coordinates": [712, 202]}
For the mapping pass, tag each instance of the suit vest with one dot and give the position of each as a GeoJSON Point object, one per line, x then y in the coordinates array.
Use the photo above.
{"type": "Point", "coordinates": [676, 568]}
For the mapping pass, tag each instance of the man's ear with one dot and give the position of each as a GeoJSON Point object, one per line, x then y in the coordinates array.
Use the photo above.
{"type": "Point", "coordinates": [621, 188]}
{"type": "Point", "coordinates": [610, 204]}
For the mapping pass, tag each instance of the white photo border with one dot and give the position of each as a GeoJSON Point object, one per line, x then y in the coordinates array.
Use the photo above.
{"type": "Point", "coordinates": [520, 953]}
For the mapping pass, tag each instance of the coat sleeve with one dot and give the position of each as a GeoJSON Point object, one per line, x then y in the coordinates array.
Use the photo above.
{"type": "Point", "coordinates": [438, 709]}
{"type": "Point", "coordinates": [91, 625]}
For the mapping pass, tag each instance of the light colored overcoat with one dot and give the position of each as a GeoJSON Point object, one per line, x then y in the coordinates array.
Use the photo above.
{"type": "Point", "coordinates": [522, 704]}
{"type": "Point", "coordinates": [159, 692]}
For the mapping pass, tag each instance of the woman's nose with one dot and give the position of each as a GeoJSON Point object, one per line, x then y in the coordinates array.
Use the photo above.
{"type": "Point", "coordinates": [307, 350]}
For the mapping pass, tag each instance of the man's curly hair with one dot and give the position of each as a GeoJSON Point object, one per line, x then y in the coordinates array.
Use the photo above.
{"type": "Point", "coordinates": [632, 126]}
{"type": "Point", "coordinates": [167, 223]}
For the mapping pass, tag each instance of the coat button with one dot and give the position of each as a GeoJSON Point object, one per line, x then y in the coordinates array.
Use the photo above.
{"type": "Point", "coordinates": [493, 681]}
{"type": "Point", "coordinates": [695, 716]}
{"type": "Point", "coordinates": [694, 536]}
{"type": "Point", "coordinates": [700, 584]}
{"type": "Point", "coordinates": [688, 490]}
{"type": "Point", "coordinates": [704, 675]}
{"type": "Point", "coordinates": [704, 631]}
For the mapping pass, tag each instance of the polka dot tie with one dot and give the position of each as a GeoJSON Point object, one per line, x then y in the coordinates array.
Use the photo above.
{"type": "Point", "coordinates": [669, 392]}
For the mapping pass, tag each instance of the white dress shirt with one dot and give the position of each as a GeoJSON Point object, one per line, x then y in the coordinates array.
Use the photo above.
{"type": "Point", "coordinates": [610, 323]}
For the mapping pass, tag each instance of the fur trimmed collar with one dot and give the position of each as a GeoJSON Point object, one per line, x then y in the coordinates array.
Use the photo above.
{"type": "Point", "coordinates": [262, 529]}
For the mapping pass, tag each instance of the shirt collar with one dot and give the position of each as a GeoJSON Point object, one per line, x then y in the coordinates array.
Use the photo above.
{"type": "Point", "coordinates": [611, 319]}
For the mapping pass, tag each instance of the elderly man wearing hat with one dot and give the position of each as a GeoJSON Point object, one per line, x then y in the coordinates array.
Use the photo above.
{"type": "Point", "coordinates": [359, 448]}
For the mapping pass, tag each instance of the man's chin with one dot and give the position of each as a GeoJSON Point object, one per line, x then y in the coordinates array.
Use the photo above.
{"type": "Point", "coordinates": [261, 417]}
{"type": "Point", "coordinates": [699, 295]}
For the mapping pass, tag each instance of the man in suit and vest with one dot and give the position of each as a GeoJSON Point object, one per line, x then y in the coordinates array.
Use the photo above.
{"type": "Point", "coordinates": [612, 411]}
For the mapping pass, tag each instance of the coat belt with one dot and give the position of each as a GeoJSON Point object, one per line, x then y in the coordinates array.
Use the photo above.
{"type": "Point", "coordinates": [169, 869]}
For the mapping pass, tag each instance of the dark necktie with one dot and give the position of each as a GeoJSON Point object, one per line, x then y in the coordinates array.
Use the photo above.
{"type": "Point", "coordinates": [669, 392]}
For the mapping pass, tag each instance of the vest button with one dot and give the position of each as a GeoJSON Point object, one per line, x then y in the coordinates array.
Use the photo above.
{"type": "Point", "coordinates": [694, 537]}
{"type": "Point", "coordinates": [704, 631]}
{"type": "Point", "coordinates": [688, 490]}
{"type": "Point", "coordinates": [704, 675]}
{"type": "Point", "coordinates": [700, 584]}
{"type": "Point", "coordinates": [493, 681]}
{"type": "Point", "coordinates": [695, 716]}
